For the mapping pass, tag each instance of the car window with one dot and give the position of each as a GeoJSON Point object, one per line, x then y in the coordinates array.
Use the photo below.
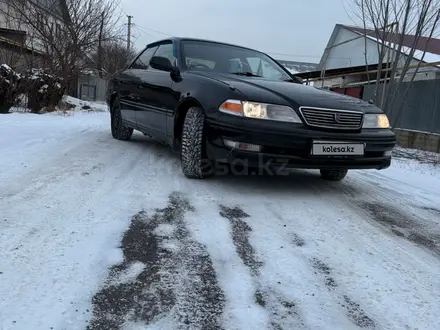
{"type": "Point", "coordinates": [223, 58]}
{"type": "Point", "coordinates": [263, 68]}
{"type": "Point", "coordinates": [143, 60]}
{"type": "Point", "coordinates": [199, 63]}
{"type": "Point", "coordinates": [166, 50]}
{"type": "Point", "coordinates": [238, 65]}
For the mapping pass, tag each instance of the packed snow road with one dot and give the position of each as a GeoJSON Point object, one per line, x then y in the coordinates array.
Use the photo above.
{"type": "Point", "coordinates": [103, 234]}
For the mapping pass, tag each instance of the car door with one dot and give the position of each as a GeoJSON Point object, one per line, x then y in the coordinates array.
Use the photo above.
{"type": "Point", "coordinates": [155, 91]}
{"type": "Point", "coordinates": [131, 102]}
{"type": "Point", "coordinates": [126, 85]}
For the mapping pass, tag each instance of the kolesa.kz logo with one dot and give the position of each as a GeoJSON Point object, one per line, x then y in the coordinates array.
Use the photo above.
{"type": "Point", "coordinates": [337, 149]}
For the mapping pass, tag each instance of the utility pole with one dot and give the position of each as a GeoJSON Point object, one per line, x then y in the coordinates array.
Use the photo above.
{"type": "Point", "coordinates": [100, 46]}
{"type": "Point", "coordinates": [129, 32]}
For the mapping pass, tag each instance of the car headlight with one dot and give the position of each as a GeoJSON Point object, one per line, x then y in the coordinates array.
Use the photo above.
{"type": "Point", "coordinates": [260, 111]}
{"type": "Point", "coordinates": [376, 121]}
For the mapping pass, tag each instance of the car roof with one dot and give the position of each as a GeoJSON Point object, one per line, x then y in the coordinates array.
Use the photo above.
{"type": "Point", "coordinates": [179, 39]}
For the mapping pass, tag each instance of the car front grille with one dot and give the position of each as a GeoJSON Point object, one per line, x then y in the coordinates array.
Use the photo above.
{"type": "Point", "coordinates": [328, 118]}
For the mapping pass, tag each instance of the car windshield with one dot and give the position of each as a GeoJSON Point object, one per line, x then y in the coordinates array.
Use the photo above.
{"type": "Point", "coordinates": [206, 56]}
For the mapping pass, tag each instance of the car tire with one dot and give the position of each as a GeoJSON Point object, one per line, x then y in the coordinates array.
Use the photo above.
{"type": "Point", "coordinates": [119, 130]}
{"type": "Point", "coordinates": [333, 175]}
{"type": "Point", "coordinates": [193, 161]}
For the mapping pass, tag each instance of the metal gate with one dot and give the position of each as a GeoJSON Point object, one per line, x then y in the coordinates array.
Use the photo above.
{"type": "Point", "coordinates": [87, 92]}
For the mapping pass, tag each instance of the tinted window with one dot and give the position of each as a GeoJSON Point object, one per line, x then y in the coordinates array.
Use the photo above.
{"type": "Point", "coordinates": [166, 50]}
{"type": "Point", "coordinates": [198, 63]}
{"type": "Point", "coordinates": [230, 59]}
{"type": "Point", "coordinates": [144, 59]}
{"type": "Point", "coordinates": [264, 68]}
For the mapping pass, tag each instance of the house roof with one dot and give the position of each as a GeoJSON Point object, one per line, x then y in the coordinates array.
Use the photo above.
{"type": "Point", "coordinates": [419, 53]}
{"type": "Point", "coordinates": [392, 39]}
{"type": "Point", "coordinates": [13, 43]}
{"type": "Point", "coordinates": [18, 32]}
{"type": "Point", "coordinates": [423, 43]}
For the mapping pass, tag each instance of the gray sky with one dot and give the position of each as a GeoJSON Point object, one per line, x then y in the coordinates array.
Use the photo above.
{"type": "Point", "coordinates": [300, 28]}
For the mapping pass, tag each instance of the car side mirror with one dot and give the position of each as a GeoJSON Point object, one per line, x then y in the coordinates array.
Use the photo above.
{"type": "Point", "coordinates": [161, 63]}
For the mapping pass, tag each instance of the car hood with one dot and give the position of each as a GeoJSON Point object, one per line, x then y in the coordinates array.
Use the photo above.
{"type": "Point", "coordinates": [289, 93]}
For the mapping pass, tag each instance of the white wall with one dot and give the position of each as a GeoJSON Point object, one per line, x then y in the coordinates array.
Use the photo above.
{"type": "Point", "coordinates": [352, 53]}
{"type": "Point", "coordinates": [338, 81]}
{"type": "Point", "coordinates": [8, 23]}
{"type": "Point", "coordinates": [422, 76]}
{"type": "Point", "coordinates": [329, 82]}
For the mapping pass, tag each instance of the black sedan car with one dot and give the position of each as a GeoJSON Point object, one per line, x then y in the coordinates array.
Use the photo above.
{"type": "Point", "coordinates": [218, 104]}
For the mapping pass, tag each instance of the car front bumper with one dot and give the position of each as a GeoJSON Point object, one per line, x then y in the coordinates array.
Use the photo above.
{"type": "Point", "coordinates": [289, 145]}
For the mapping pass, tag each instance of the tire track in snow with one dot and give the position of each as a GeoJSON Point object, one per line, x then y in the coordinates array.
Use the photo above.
{"type": "Point", "coordinates": [283, 313]}
{"type": "Point", "coordinates": [240, 237]}
{"type": "Point", "coordinates": [164, 274]}
{"type": "Point", "coordinates": [392, 210]}
{"type": "Point", "coordinates": [297, 240]}
{"type": "Point", "coordinates": [325, 270]}
{"type": "Point", "coordinates": [401, 224]}
{"type": "Point", "coordinates": [353, 310]}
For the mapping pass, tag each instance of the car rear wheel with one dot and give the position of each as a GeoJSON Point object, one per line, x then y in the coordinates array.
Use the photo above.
{"type": "Point", "coordinates": [193, 157]}
{"type": "Point", "coordinates": [119, 130]}
{"type": "Point", "coordinates": [334, 175]}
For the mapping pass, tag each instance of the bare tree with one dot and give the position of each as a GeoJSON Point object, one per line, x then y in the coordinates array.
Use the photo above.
{"type": "Point", "coordinates": [10, 54]}
{"type": "Point", "coordinates": [391, 22]}
{"type": "Point", "coordinates": [66, 30]}
{"type": "Point", "coordinates": [114, 57]}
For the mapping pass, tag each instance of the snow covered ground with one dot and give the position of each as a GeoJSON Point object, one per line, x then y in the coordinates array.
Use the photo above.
{"type": "Point", "coordinates": [106, 234]}
{"type": "Point", "coordinates": [67, 107]}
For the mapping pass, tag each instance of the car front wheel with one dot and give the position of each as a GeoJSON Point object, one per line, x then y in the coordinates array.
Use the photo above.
{"type": "Point", "coordinates": [119, 130]}
{"type": "Point", "coordinates": [193, 161]}
{"type": "Point", "coordinates": [334, 175]}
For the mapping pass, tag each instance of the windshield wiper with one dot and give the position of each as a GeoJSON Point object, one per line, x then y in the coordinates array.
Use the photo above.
{"type": "Point", "coordinates": [247, 74]}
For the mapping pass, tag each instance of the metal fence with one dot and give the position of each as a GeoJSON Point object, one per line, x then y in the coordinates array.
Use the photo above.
{"type": "Point", "coordinates": [421, 109]}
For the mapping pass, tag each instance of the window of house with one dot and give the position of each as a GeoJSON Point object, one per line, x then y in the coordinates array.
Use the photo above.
{"type": "Point", "coordinates": [143, 60]}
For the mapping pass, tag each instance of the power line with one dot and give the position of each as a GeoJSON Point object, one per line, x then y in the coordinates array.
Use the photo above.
{"type": "Point", "coordinates": [140, 30]}
{"type": "Point", "coordinates": [119, 6]}
{"type": "Point", "coordinates": [145, 28]}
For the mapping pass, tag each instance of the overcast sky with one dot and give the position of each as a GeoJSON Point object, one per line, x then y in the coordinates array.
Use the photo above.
{"type": "Point", "coordinates": [298, 28]}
